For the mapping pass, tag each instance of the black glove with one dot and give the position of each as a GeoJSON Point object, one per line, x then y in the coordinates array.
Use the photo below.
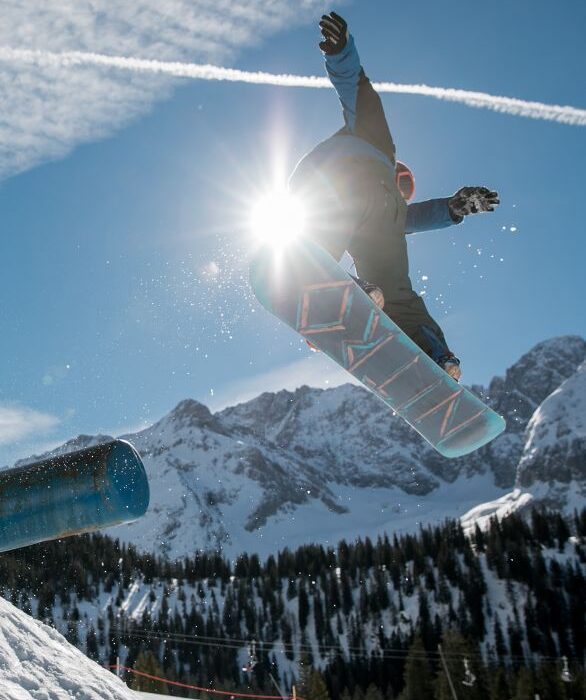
{"type": "Point", "coordinates": [472, 200]}
{"type": "Point", "coordinates": [335, 33]}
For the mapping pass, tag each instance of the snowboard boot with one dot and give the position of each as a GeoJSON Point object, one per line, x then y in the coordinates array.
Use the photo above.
{"type": "Point", "coordinates": [435, 346]}
{"type": "Point", "coordinates": [374, 292]}
{"type": "Point", "coordinates": [451, 365]}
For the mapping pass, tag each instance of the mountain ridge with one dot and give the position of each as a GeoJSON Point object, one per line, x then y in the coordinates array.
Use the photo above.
{"type": "Point", "coordinates": [321, 464]}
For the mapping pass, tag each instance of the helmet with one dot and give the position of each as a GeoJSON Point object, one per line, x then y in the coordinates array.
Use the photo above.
{"type": "Point", "coordinates": [405, 181]}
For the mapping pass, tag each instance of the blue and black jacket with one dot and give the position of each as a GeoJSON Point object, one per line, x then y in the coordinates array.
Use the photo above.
{"type": "Point", "coordinates": [365, 136]}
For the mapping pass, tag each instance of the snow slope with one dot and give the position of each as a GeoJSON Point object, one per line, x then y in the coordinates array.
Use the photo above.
{"type": "Point", "coordinates": [37, 663]}
{"type": "Point", "coordinates": [554, 458]}
{"type": "Point", "coordinates": [499, 508]}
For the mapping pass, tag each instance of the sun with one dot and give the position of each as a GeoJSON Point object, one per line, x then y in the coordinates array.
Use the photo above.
{"type": "Point", "coordinates": [277, 218]}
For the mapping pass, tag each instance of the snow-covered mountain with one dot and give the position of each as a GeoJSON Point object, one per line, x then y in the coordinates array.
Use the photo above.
{"type": "Point", "coordinates": [320, 465]}
{"type": "Point", "coordinates": [554, 456]}
{"type": "Point", "coordinates": [37, 662]}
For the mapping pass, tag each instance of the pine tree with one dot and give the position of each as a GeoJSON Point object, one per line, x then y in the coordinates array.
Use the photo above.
{"type": "Point", "coordinates": [347, 599]}
{"type": "Point", "coordinates": [147, 663]}
{"type": "Point", "coordinates": [91, 643]}
{"type": "Point", "coordinates": [287, 637]}
{"type": "Point", "coordinates": [562, 531]}
{"type": "Point", "coordinates": [479, 538]}
{"type": "Point", "coordinates": [425, 626]}
{"type": "Point", "coordinates": [303, 605]}
{"type": "Point", "coordinates": [516, 644]}
{"type": "Point", "coordinates": [304, 672]}
{"type": "Point", "coordinates": [72, 633]}
{"type": "Point", "coordinates": [373, 693]}
{"type": "Point", "coordinates": [417, 677]}
{"type": "Point", "coordinates": [524, 687]}
{"type": "Point", "coordinates": [316, 688]}
{"type": "Point", "coordinates": [549, 683]}
{"type": "Point", "coordinates": [499, 688]}
{"type": "Point", "coordinates": [318, 619]}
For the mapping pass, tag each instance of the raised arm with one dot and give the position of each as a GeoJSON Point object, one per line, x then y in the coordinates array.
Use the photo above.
{"type": "Point", "coordinates": [363, 111]}
{"type": "Point", "coordinates": [342, 64]}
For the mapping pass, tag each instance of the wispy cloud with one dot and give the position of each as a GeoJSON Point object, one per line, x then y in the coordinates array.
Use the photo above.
{"type": "Point", "coordinates": [48, 108]}
{"type": "Point", "coordinates": [20, 423]}
{"type": "Point", "coordinates": [509, 105]}
{"type": "Point", "coordinates": [315, 370]}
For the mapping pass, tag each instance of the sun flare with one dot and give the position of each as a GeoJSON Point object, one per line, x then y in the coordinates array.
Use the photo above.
{"type": "Point", "coordinates": [277, 218]}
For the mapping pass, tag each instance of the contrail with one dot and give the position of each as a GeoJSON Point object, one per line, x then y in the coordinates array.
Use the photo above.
{"type": "Point", "coordinates": [508, 105]}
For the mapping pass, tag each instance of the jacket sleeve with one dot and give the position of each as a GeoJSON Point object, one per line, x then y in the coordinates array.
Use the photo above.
{"type": "Point", "coordinates": [429, 215]}
{"type": "Point", "coordinates": [361, 104]}
{"type": "Point", "coordinates": [344, 73]}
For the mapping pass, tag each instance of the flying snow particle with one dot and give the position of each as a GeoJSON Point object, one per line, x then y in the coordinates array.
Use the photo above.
{"type": "Point", "coordinates": [424, 278]}
{"type": "Point", "coordinates": [513, 229]}
{"type": "Point", "coordinates": [211, 269]}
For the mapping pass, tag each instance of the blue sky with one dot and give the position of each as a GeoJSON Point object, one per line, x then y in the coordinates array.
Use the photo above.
{"type": "Point", "coordinates": [125, 199]}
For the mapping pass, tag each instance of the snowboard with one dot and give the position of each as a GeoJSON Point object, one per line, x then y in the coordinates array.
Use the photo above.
{"type": "Point", "coordinates": [73, 493]}
{"type": "Point", "coordinates": [304, 287]}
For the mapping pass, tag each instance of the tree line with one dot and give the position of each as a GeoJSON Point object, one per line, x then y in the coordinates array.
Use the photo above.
{"type": "Point", "coordinates": [366, 617]}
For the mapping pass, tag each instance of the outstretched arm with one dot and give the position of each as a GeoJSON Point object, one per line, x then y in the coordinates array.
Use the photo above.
{"type": "Point", "coordinates": [440, 213]}
{"type": "Point", "coordinates": [429, 215]}
{"type": "Point", "coordinates": [363, 111]}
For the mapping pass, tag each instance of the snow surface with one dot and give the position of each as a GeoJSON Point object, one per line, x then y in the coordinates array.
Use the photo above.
{"type": "Point", "coordinates": [562, 414]}
{"type": "Point", "coordinates": [37, 663]}
{"type": "Point", "coordinates": [500, 508]}
{"type": "Point", "coordinates": [368, 512]}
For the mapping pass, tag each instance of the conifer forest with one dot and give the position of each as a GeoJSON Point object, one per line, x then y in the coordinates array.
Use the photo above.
{"type": "Point", "coordinates": [499, 613]}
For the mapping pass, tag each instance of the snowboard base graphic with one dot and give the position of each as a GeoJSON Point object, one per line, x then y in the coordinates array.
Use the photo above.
{"type": "Point", "coordinates": [305, 288]}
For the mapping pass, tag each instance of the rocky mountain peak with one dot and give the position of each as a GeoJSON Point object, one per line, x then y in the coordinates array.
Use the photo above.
{"type": "Point", "coordinates": [192, 414]}
{"type": "Point", "coordinates": [533, 377]}
{"type": "Point", "coordinates": [269, 409]}
{"type": "Point", "coordinates": [77, 443]}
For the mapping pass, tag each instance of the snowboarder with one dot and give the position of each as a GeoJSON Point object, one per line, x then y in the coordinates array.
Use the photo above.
{"type": "Point", "coordinates": [356, 193]}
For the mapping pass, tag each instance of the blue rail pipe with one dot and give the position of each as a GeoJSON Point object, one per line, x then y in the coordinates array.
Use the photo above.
{"type": "Point", "coordinates": [73, 493]}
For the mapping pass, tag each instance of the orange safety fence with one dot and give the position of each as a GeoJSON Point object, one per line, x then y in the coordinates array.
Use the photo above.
{"type": "Point", "coordinates": [234, 694]}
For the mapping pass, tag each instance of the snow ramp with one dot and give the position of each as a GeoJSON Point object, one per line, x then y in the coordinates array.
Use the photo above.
{"type": "Point", "coordinates": [37, 663]}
